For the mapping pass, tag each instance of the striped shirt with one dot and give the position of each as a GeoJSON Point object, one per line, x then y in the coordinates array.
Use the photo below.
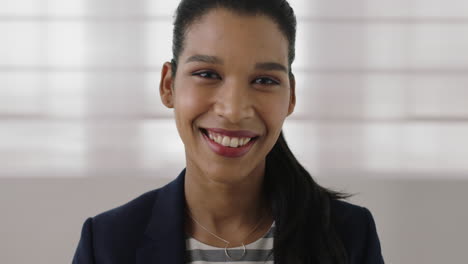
{"type": "Point", "coordinates": [260, 251]}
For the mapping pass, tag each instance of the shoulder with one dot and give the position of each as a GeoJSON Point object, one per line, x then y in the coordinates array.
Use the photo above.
{"type": "Point", "coordinates": [349, 215]}
{"type": "Point", "coordinates": [356, 227]}
{"type": "Point", "coordinates": [115, 234]}
{"type": "Point", "coordinates": [131, 215]}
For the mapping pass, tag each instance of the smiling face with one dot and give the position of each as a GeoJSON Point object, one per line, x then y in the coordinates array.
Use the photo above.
{"type": "Point", "coordinates": [230, 94]}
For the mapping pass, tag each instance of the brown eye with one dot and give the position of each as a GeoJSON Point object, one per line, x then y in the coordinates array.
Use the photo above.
{"type": "Point", "coordinates": [207, 75]}
{"type": "Point", "coordinates": [266, 81]}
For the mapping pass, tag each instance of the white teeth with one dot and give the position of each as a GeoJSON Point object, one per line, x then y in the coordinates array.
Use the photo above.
{"type": "Point", "coordinates": [242, 141]}
{"type": "Point", "coordinates": [234, 142]}
{"type": "Point", "coordinates": [228, 141]}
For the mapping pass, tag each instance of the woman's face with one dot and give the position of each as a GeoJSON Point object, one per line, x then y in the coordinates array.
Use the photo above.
{"type": "Point", "coordinates": [232, 86]}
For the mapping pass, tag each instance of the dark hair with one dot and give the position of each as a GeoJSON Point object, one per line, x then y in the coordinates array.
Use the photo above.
{"type": "Point", "coordinates": [302, 211]}
{"type": "Point", "coordinates": [189, 11]}
{"type": "Point", "coordinates": [301, 208]}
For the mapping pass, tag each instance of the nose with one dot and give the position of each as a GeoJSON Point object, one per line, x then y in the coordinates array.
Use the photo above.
{"type": "Point", "coordinates": [234, 102]}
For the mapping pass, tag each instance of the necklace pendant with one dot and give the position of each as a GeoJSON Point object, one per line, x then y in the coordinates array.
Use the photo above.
{"type": "Point", "coordinates": [226, 251]}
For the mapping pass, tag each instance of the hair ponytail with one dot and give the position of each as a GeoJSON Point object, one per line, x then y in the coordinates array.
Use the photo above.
{"type": "Point", "coordinates": [301, 208]}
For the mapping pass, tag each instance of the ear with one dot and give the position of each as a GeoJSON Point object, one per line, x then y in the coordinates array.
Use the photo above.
{"type": "Point", "coordinates": [292, 96]}
{"type": "Point", "coordinates": [166, 86]}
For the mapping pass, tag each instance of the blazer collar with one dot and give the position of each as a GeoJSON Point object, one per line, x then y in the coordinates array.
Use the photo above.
{"type": "Point", "coordinates": [164, 240]}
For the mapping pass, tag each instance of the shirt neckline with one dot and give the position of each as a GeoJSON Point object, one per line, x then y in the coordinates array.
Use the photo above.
{"type": "Point", "coordinates": [190, 238]}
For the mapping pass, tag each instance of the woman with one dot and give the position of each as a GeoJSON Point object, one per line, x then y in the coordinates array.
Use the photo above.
{"type": "Point", "coordinates": [243, 196]}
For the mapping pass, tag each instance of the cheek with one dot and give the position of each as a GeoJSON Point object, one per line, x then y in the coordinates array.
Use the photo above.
{"type": "Point", "coordinates": [274, 109]}
{"type": "Point", "coordinates": [189, 103]}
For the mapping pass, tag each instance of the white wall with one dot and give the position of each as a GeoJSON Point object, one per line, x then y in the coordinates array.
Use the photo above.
{"type": "Point", "coordinates": [382, 111]}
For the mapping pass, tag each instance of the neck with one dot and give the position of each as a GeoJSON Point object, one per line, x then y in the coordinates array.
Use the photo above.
{"type": "Point", "coordinates": [229, 209]}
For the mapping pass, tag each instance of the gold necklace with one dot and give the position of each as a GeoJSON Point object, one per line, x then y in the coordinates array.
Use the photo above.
{"type": "Point", "coordinates": [226, 251]}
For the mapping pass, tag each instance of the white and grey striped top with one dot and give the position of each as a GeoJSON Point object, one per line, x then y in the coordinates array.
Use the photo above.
{"type": "Point", "coordinates": [260, 251]}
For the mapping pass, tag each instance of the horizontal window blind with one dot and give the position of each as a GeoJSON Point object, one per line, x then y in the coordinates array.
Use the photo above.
{"type": "Point", "coordinates": [381, 87]}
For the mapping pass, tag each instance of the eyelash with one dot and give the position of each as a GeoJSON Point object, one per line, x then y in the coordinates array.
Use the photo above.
{"type": "Point", "coordinates": [200, 74]}
{"type": "Point", "coordinates": [206, 74]}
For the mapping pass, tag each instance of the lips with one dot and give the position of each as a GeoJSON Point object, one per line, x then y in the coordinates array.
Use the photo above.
{"type": "Point", "coordinates": [227, 143]}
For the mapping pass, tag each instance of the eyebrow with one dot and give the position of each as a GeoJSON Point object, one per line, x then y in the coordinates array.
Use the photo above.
{"type": "Point", "coordinates": [267, 66]}
{"type": "Point", "coordinates": [271, 66]}
{"type": "Point", "coordinates": [204, 58]}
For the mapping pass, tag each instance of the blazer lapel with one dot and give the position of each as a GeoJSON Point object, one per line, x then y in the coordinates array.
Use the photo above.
{"type": "Point", "coordinates": [164, 240]}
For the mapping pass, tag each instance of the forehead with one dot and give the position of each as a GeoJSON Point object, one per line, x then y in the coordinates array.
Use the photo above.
{"type": "Point", "coordinates": [230, 35]}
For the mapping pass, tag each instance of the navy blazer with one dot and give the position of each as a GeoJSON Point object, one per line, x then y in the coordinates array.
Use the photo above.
{"type": "Point", "coordinates": [150, 229]}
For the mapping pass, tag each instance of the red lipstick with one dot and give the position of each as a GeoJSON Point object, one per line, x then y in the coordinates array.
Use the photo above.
{"type": "Point", "coordinates": [226, 151]}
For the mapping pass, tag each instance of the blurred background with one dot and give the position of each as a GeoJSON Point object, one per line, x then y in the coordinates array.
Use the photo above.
{"type": "Point", "coordinates": [382, 112]}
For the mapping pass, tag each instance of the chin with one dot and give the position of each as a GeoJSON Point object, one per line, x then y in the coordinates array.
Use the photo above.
{"type": "Point", "coordinates": [226, 175]}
